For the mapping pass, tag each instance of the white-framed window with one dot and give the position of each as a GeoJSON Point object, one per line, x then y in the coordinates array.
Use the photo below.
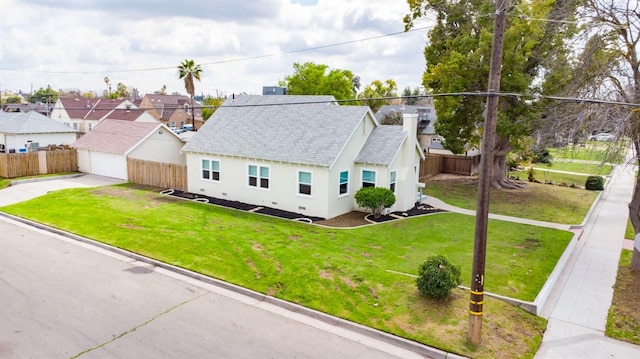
{"type": "Point", "coordinates": [344, 183]}
{"type": "Point", "coordinates": [368, 178]}
{"type": "Point", "coordinates": [304, 183]}
{"type": "Point", "coordinates": [75, 125]}
{"type": "Point", "coordinates": [210, 170]}
{"type": "Point", "coordinates": [90, 126]}
{"type": "Point", "coordinates": [258, 176]}
{"type": "Point", "coordinates": [392, 181]}
{"type": "Point", "coordinates": [173, 123]}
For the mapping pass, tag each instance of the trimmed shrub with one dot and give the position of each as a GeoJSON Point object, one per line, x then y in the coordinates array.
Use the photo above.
{"type": "Point", "coordinates": [594, 183]}
{"type": "Point", "coordinates": [437, 277]}
{"type": "Point", "coordinates": [375, 198]}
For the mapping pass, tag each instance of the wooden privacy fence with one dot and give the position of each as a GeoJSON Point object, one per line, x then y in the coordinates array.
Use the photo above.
{"type": "Point", "coordinates": [13, 165]}
{"type": "Point", "coordinates": [436, 163]}
{"type": "Point", "coordinates": [157, 174]}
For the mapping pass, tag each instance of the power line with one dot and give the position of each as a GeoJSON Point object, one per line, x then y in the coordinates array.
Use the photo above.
{"type": "Point", "coordinates": [470, 94]}
{"type": "Point", "coordinates": [225, 61]}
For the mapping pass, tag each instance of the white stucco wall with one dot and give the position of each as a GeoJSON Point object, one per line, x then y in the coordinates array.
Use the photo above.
{"type": "Point", "coordinates": [341, 204]}
{"type": "Point", "coordinates": [19, 141]}
{"type": "Point", "coordinates": [283, 184]}
{"type": "Point", "coordinates": [160, 147]}
{"type": "Point", "coordinates": [84, 161]}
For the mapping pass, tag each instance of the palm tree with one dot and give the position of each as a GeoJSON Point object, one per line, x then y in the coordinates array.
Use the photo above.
{"type": "Point", "coordinates": [188, 71]}
{"type": "Point", "coordinates": [108, 82]}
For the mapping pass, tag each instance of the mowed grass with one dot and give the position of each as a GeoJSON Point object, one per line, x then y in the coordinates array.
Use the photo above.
{"type": "Point", "coordinates": [344, 272]}
{"type": "Point", "coordinates": [577, 167]}
{"type": "Point", "coordinates": [605, 152]}
{"type": "Point", "coordinates": [623, 322]}
{"type": "Point", "coordinates": [550, 177]}
{"type": "Point", "coordinates": [536, 201]}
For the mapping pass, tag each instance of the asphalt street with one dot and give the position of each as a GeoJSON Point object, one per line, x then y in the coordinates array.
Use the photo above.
{"type": "Point", "coordinates": [64, 299]}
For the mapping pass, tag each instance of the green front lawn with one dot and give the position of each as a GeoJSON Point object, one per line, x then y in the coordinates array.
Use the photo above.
{"type": "Point", "coordinates": [537, 201]}
{"type": "Point", "coordinates": [611, 152]}
{"type": "Point", "coordinates": [577, 167]}
{"type": "Point", "coordinates": [344, 272]}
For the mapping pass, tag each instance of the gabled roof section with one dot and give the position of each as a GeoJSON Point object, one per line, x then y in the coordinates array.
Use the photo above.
{"type": "Point", "coordinates": [124, 114]}
{"type": "Point", "coordinates": [382, 146]}
{"type": "Point", "coordinates": [102, 108]}
{"type": "Point", "coordinates": [166, 105]}
{"type": "Point", "coordinates": [115, 136]}
{"type": "Point", "coordinates": [30, 122]}
{"type": "Point", "coordinates": [308, 130]}
{"type": "Point", "coordinates": [77, 107]}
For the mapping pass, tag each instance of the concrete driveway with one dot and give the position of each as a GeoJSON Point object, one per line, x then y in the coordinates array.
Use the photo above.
{"type": "Point", "coordinates": [27, 189]}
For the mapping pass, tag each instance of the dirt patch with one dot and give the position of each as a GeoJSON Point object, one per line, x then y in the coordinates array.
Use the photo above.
{"type": "Point", "coordinates": [348, 282]}
{"type": "Point", "coordinates": [351, 219]}
{"type": "Point", "coordinates": [325, 275]}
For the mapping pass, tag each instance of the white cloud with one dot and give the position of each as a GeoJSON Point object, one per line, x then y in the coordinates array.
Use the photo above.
{"type": "Point", "coordinates": [242, 45]}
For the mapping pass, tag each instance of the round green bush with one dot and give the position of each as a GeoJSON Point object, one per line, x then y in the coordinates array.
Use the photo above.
{"type": "Point", "coordinates": [594, 183]}
{"type": "Point", "coordinates": [375, 198]}
{"type": "Point", "coordinates": [437, 276]}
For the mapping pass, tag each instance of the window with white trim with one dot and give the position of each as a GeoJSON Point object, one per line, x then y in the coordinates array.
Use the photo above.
{"type": "Point", "coordinates": [258, 176]}
{"type": "Point", "coordinates": [344, 182]}
{"type": "Point", "coordinates": [392, 181]}
{"type": "Point", "coordinates": [304, 183]}
{"type": "Point", "coordinates": [211, 170]}
{"type": "Point", "coordinates": [368, 178]}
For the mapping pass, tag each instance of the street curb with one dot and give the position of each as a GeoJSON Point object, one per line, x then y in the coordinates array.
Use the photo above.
{"type": "Point", "coordinates": [407, 344]}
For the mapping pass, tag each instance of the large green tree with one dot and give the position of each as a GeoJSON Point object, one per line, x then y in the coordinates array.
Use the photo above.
{"type": "Point", "coordinates": [210, 105]}
{"type": "Point", "coordinates": [44, 95]}
{"type": "Point", "coordinates": [377, 94]}
{"type": "Point", "coordinates": [614, 64]}
{"type": "Point", "coordinates": [457, 61]}
{"type": "Point", "coordinates": [189, 71]}
{"type": "Point", "coordinates": [313, 79]}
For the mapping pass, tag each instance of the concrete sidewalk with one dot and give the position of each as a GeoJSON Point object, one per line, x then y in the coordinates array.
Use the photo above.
{"type": "Point", "coordinates": [582, 296]}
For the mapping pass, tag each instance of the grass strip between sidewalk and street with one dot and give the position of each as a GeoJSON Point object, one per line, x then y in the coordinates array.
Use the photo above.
{"type": "Point", "coordinates": [343, 272]}
{"type": "Point", "coordinates": [623, 321]}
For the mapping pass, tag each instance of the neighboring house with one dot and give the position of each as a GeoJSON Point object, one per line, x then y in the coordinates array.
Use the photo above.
{"type": "Point", "coordinates": [171, 110]}
{"type": "Point", "coordinates": [104, 150]}
{"type": "Point", "coordinates": [83, 114]}
{"type": "Point", "coordinates": [132, 114]}
{"type": "Point", "coordinates": [429, 140]}
{"type": "Point", "coordinates": [26, 107]}
{"type": "Point", "coordinates": [23, 131]}
{"type": "Point", "coordinates": [303, 154]}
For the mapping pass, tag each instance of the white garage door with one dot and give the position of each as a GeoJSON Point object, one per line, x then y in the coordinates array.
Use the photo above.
{"type": "Point", "coordinates": [109, 165]}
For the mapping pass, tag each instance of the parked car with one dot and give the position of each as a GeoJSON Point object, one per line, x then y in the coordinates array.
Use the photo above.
{"type": "Point", "coordinates": [176, 130]}
{"type": "Point", "coordinates": [606, 137]}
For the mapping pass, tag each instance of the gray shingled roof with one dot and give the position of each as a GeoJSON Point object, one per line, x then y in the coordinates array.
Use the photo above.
{"type": "Point", "coordinates": [382, 146]}
{"type": "Point", "coordinates": [30, 123]}
{"type": "Point", "coordinates": [279, 128]}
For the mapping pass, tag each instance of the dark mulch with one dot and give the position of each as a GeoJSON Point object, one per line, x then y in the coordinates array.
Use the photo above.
{"type": "Point", "coordinates": [417, 210]}
{"type": "Point", "coordinates": [244, 206]}
{"type": "Point", "coordinates": [341, 221]}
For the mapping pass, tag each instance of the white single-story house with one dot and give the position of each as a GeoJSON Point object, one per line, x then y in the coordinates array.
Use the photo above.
{"type": "Point", "coordinates": [104, 150]}
{"type": "Point", "coordinates": [25, 131]}
{"type": "Point", "coordinates": [303, 154]}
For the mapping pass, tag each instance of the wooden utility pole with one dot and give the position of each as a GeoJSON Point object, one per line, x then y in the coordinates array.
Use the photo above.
{"type": "Point", "coordinates": [476, 297]}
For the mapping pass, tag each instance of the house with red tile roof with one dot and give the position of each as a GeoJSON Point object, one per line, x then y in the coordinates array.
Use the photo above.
{"type": "Point", "coordinates": [83, 114]}
{"type": "Point", "coordinates": [105, 149]}
{"type": "Point", "coordinates": [171, 110]}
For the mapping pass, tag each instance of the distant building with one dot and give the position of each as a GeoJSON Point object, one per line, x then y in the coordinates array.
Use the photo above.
{"type": "Point", "coordinates": [274, 90]}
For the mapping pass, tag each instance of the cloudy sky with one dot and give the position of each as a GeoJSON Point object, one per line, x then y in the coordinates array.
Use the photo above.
{"type": "Point", "coordinates": [242, 45]}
